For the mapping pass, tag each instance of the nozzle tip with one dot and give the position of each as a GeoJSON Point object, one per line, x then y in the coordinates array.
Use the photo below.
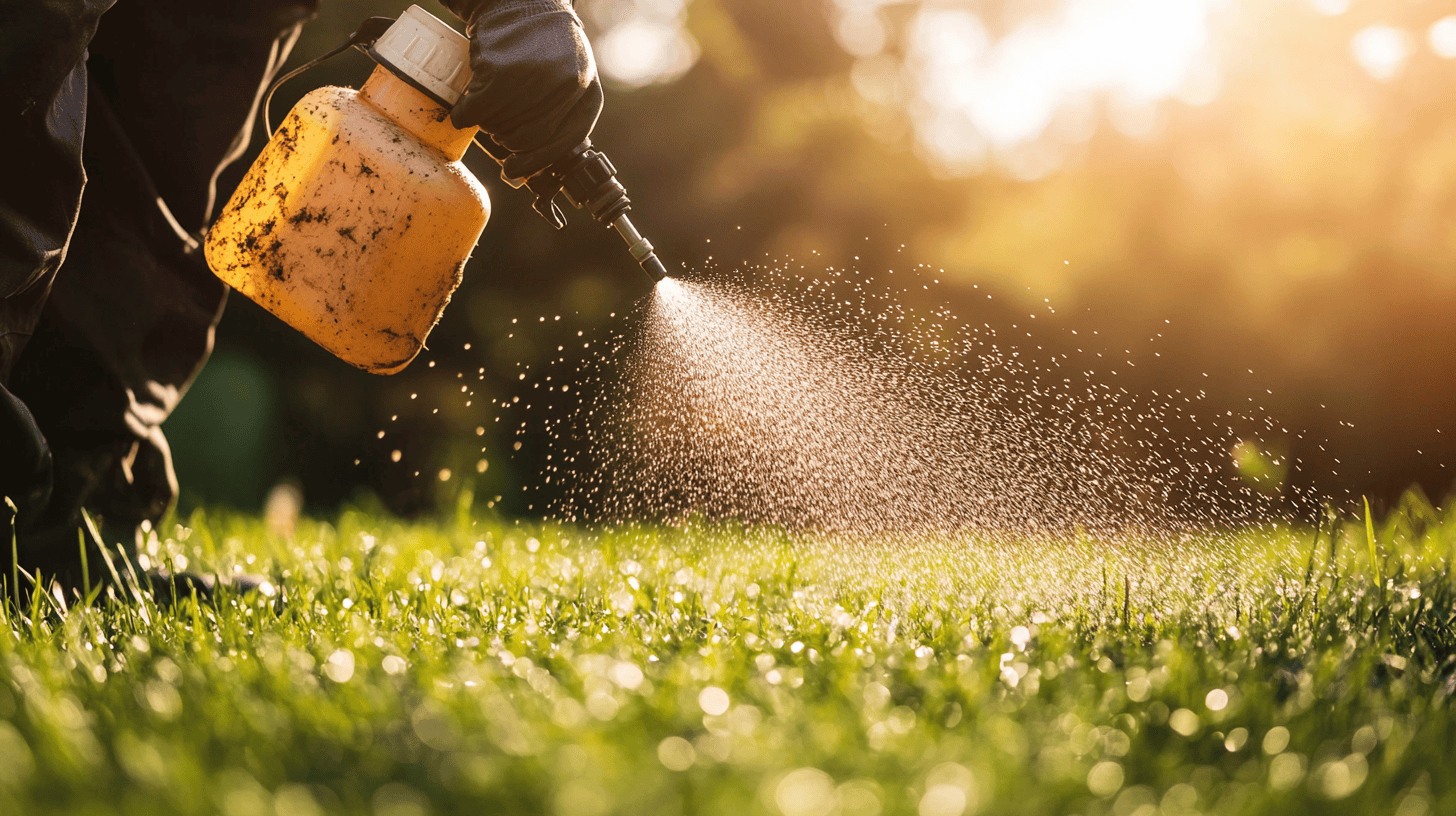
{"type": "Point", "coordinates": [640, 248]}
{"type": "Point", "coordinates": [654, 268]}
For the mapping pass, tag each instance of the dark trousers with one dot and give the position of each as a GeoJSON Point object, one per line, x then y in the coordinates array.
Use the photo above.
{"type": "Point", "coordinates": [115, 124]}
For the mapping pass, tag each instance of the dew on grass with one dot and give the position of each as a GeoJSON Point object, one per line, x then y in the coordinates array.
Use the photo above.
{"type": "Point", "coordinates": [522, 662]}
{"type": "Point", "coordinates": [713, 700]}
{"type": "Point", "coordinates": [1216, 700]}
{"type": "Point", "coordinates": [676, 753]}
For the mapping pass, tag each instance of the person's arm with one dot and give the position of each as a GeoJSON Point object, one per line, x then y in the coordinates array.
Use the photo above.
{"type": "Point", "coordinates": [535, 89]}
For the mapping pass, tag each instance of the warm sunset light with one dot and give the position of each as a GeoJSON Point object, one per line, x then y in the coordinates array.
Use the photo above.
{"type": "Point", "coordinates": [1032, 407]}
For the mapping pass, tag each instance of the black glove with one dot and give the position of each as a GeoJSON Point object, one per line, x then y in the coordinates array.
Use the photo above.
{"type": "Point", "coordinates": [535, 89]}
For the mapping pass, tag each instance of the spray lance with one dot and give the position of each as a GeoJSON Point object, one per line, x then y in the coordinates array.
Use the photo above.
{"type": "Point", "coordinates": [589, 181]}
{"type": "Point", "coordinates": [354, 223]}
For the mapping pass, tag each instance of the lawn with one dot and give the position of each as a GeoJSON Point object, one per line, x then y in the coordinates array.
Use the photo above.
{"type": "Point", "coordinates": [478, 666]}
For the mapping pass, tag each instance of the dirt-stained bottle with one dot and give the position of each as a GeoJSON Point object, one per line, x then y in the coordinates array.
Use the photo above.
{"type": "Point", "coordinates": [354, 224]}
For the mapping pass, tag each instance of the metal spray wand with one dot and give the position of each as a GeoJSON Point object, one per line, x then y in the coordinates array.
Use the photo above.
{"type": "Point", "coordinates": [590, 182]}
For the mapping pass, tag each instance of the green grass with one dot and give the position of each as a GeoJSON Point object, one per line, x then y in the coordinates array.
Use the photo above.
{"type": "Point", "coordinates": [473, 666]}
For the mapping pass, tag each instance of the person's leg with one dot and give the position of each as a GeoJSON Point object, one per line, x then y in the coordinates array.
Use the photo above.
{"type": "Point", "coordinates": [130, 319]}
{"type": "Point", "coordinates": [42, 123]}
{"type": "Point", "coordinates": [43, 117]}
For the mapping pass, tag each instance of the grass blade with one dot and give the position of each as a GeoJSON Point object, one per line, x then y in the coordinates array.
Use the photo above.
{"type": "Point", "coordinates": [1375, 570]}
{"type": "Point", "coordinates": [14, 552]}
{"type": "Point", "coordinates": [85, 564]}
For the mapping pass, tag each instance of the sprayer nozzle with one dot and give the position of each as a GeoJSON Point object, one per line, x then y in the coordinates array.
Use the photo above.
{"type": "Point", "coordinates": [640, 248]}
{"type": "Point", "coordinates": [654, 268]}
{"type": "Point", "coordinates": [590, 181]}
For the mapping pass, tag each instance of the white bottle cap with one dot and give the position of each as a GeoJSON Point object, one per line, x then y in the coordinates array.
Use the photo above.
{"type": "Point", "coordinates": [429, 51]}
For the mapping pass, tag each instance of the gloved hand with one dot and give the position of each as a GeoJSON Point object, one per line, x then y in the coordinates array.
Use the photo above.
{"type": "Point", "coordinates": [535, 89]}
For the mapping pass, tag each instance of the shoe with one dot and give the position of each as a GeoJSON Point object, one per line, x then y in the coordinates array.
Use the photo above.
{"type": "Point", "coordinates": [25, 462]}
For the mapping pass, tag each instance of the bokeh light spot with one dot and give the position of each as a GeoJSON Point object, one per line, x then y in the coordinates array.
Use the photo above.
{"type": "Point", "coordinates": [1443, 37]}
{"type": "Point", "coordinates": [1381, 50]}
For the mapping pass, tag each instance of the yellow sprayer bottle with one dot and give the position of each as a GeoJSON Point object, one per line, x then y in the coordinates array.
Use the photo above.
{"type": "Point", "coordinates": [354, 224]}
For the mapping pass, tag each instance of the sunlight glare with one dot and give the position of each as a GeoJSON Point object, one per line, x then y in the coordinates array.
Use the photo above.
{"type": "Point", "coordinates": [1443, 37]}
{"type": "Point", "coordinates": [1011, 90]}
{"type": "Point", "coordinates": [1331, 8]}
{"type": "Point", "coordinates": [1381, 50]}
{"type": "Point", "coordinates": [651, 45]}
{"type": "Point", "coordinates": [860, 32]}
